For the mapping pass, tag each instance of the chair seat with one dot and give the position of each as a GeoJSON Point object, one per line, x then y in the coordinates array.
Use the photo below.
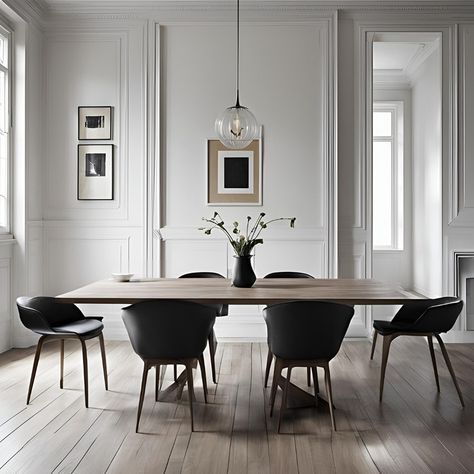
{"type": "Point", "coordinates": [83, 327]}
{"type": "Point", "coordinates": [388, 327]}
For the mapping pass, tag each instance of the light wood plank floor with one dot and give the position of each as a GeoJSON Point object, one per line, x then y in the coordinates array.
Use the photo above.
{"type": "Point", "coordinates": [413, 430]}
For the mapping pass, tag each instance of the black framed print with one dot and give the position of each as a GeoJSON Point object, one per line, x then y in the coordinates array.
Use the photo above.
{"type": "Point", "coordinates": [95, 123]}
{"type": "Point", "coordinates": [234, 177]}
{"type": "Point", "coordinates": [95, 172]}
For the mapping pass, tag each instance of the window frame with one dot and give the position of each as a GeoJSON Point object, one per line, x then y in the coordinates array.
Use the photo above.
{"type": "Point", "coordinates": [396, 138]}
{"type": "Point", "coordinates": [6, 231]}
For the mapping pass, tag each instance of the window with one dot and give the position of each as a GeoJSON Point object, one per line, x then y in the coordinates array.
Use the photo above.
{"type": "Point", "coordinates": [387, 176]}
{"type": "Point", "coordinates": [4, 130]}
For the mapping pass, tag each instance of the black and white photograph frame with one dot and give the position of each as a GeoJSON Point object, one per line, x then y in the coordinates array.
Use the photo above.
{"type": "Point", "coordinates": [234, 177]}
{"type": "Point", "coordinates": [94, 123]}
{"type": "Point", "coordinates": [95, 172]}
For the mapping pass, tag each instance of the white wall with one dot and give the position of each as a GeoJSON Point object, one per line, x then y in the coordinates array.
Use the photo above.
{"type": "Point", "coordinates": [427, 178]}
{"type": "Point", "coordinates": [288, 94]}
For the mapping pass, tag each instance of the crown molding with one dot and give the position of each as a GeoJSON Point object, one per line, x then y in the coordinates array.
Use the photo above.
{"type": "Point", "coordinates": [31, 11]}
{"type": "Point", "coordinates": [215, 8]}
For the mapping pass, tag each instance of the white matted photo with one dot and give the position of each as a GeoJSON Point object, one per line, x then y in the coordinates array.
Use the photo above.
{"type": "Point", "coordinates": [95, 172]}
{"type": "Point", "coordinates": [235, 172]}
{"type": "Point", "coordinates": [95, 123]}
{"type": "Point", "coordinates": [234, 177]}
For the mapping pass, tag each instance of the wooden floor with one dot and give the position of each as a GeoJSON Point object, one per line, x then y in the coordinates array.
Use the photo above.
{"type": "Point", "coordinates": [413, 430]}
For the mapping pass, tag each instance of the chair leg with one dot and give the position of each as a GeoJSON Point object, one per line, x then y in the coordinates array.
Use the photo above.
{"type": "Point", "coordinates": [308, 376]}
{"type": "Point", "coordinates": [212, 352]}
{"type": "Point", "coordinates": [203, 376]}
{"type": "Point", "coordinates": [374, 342]}
{"type": "Point", "coordinates": [276, 376]}
{"type": "Point", "coordinates": [35, 367]}
{"type": "Point", "coordinates": [268, 367]}
{"type": "Point", "coordinates": [316, 384]}
{"type": "Point", "coordinates": [387, 340]}
{"type": "Point", "coordinates": [175, 372]}
{"type": "Point", "coordinates": [450, 367]}
{"type": "Point", "coordinates": [327, 379]}
{"type": "Point", "coordinates": [104, 360]}
{"type": "Point", "coordinates": [433, 360]}
{"type": "Point", "coordinates": [86, 374]}
{"type": "Point", "coordinates": [284, 397]}
{"type": "Point", "coordinates": [157, 381]}
{"type": "Point", "coordinates": [189, 377]}
{"type": "Point", "coordinates": [146, 367]}
{"type": "Point", "coordinates": [61, 364]}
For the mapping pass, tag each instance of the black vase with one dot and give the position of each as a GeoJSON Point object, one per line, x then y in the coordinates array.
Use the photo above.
{"type": "Point", "coordinates": [243, 276]}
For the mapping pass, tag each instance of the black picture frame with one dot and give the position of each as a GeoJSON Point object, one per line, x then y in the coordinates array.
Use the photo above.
{"type": "Point", "coordinates": [95, 172]}
{"type": "Point", "coordinates": [94, 122]}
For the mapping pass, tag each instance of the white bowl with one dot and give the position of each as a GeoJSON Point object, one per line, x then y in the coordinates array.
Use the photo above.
{"type": "Point", "coordinates": [122, 276]}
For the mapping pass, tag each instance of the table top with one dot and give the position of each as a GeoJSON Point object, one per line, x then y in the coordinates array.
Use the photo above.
{"type": "Point", "coordinates": [220, 290]}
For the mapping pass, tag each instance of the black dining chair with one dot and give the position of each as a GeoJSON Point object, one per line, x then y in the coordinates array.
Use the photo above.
{"type": "Point", "coordinates": [220, 309]}
{"type": "Point", "coordinates": [422, 318]}
{"type": "Point", "coordinates": [52, 320]}
{"type": "Point", "coordinates": [269, 353]}
{"type": "Point", "coordinates": [305, 334]}
{"type": "Point", "coordinates": [164, 332]}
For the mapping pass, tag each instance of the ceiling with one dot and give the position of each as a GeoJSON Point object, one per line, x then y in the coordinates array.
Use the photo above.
{"type": "Point", "coordinates": [395, 56]}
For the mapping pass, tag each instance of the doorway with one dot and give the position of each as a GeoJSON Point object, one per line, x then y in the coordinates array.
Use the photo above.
{"type": "Point", "coordinates": [406, 171]}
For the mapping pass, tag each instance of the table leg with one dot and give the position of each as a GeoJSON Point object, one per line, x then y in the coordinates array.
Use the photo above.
{"type": "Point", "coordinates": [299, 398]}
{"type": "Point", "coordinates": [175, 390]}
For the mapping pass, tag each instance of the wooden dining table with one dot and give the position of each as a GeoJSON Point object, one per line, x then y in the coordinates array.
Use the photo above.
{"type": "Point", "coordinates": [263, 292]}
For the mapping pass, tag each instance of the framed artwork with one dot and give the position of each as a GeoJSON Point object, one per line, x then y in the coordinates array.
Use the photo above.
{"type": "Point", "coordinates": [95, 172]}
{"type": "Point", "coordinates": [95, 123]}
{"type": "Point", "coordinates": [234, 177]}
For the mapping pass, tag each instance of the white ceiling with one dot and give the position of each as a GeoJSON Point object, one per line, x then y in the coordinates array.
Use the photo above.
{"type": "Point", "coordinates": [395, 56]}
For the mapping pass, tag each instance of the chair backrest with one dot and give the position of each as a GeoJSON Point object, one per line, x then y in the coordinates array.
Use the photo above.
{"type": "Point", "coordinates": [410, 312]}
{"type": "Point", "coordinates": [168, 329]}
{"type": "Point", "coordinates": [41, 313]}
{"type": "Point", "coordinates": [440, 316]}
{"type": "Point", "coordinates": [307, 329]}
{"type": "Point", "coordinates": [288, 275]}
{"type": "Point", "coordinates": [221, 309]}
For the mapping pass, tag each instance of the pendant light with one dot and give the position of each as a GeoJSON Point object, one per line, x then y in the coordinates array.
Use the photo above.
{"type": "Point", "coordinates": [237, 126]}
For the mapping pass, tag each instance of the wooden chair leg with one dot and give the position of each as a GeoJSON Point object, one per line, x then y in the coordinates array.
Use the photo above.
{"type": "Point", "coordinates": [86, 372]}
{"type": "Point", "coordinates": [450, 367]}
{"type": "Point", "coordinates": [268, 367]}
{"type": "Point", "coordinates": [284, 397]}
{"type": "Point", "coordinates": [327, 379]}
{"type": "Point", "coordinates": [189, 377]}
{"type": "Point", "coordinates": [374, 342]}
{"type": "Point", "coordinates": [61, 364]}
{"type": "Point", "coordinates": [35, 367]}
{"type": "Point", "coordinates": [308, 376]}
{"type": "Point", "coordinates": [387, 340]}
{"type": "Point", "coordinates": [276, 376]}
{"type": "Point", "coordinates": [104, 360]}
{"type": "Point", "coordinates": [157, 381]}
{"type": "Point", "coordinates": [212, 353]}
{"type": "Point", "coordinates": [203, 376]}
{"type": "Point", "coordinates": [433, 360]}
{"type": "Point", "coordinates": [316, 384]}
{"type": "Point", "coordinates": [175, 372]}
{"type": "Point", "coordinates": [146, 367]}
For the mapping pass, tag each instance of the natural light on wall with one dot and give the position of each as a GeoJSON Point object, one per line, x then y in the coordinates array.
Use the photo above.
{"type": "Point", "coordinates": [387, 176]}
{"type": "Point", "coordinates": [4, 130]}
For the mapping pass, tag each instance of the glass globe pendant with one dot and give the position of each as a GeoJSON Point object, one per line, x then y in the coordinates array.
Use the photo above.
{"type": "Point", "coordinates": [237, 126]}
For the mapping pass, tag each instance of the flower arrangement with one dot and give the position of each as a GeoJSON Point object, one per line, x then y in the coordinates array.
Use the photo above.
{"type": "Point", "coordinates": [243, 243]}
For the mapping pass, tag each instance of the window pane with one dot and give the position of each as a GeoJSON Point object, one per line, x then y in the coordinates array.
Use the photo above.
{"type": "Point", "coordinates": [4, 50]}
{"type": "Point", "coordinates": [382, 194]}
{"type": "Point", "coordinates": [382, 124]}
{"type": "Point", "coordinates": [3, 101]}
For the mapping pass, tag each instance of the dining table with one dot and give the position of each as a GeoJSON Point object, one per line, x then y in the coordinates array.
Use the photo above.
{"type": "Point", "coordinates": [265, 291]}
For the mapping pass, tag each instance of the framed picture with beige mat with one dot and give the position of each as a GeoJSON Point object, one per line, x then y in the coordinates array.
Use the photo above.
{"type": "Point", "coordinates": [234, 177]}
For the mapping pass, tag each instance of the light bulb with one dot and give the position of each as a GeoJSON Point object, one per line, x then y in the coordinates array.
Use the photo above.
{"type": "Point", "coordinates": [237, 127]}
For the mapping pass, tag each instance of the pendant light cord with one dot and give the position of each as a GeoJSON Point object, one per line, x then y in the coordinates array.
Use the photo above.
{"type": "Point", "coordinates": [238, 51]}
